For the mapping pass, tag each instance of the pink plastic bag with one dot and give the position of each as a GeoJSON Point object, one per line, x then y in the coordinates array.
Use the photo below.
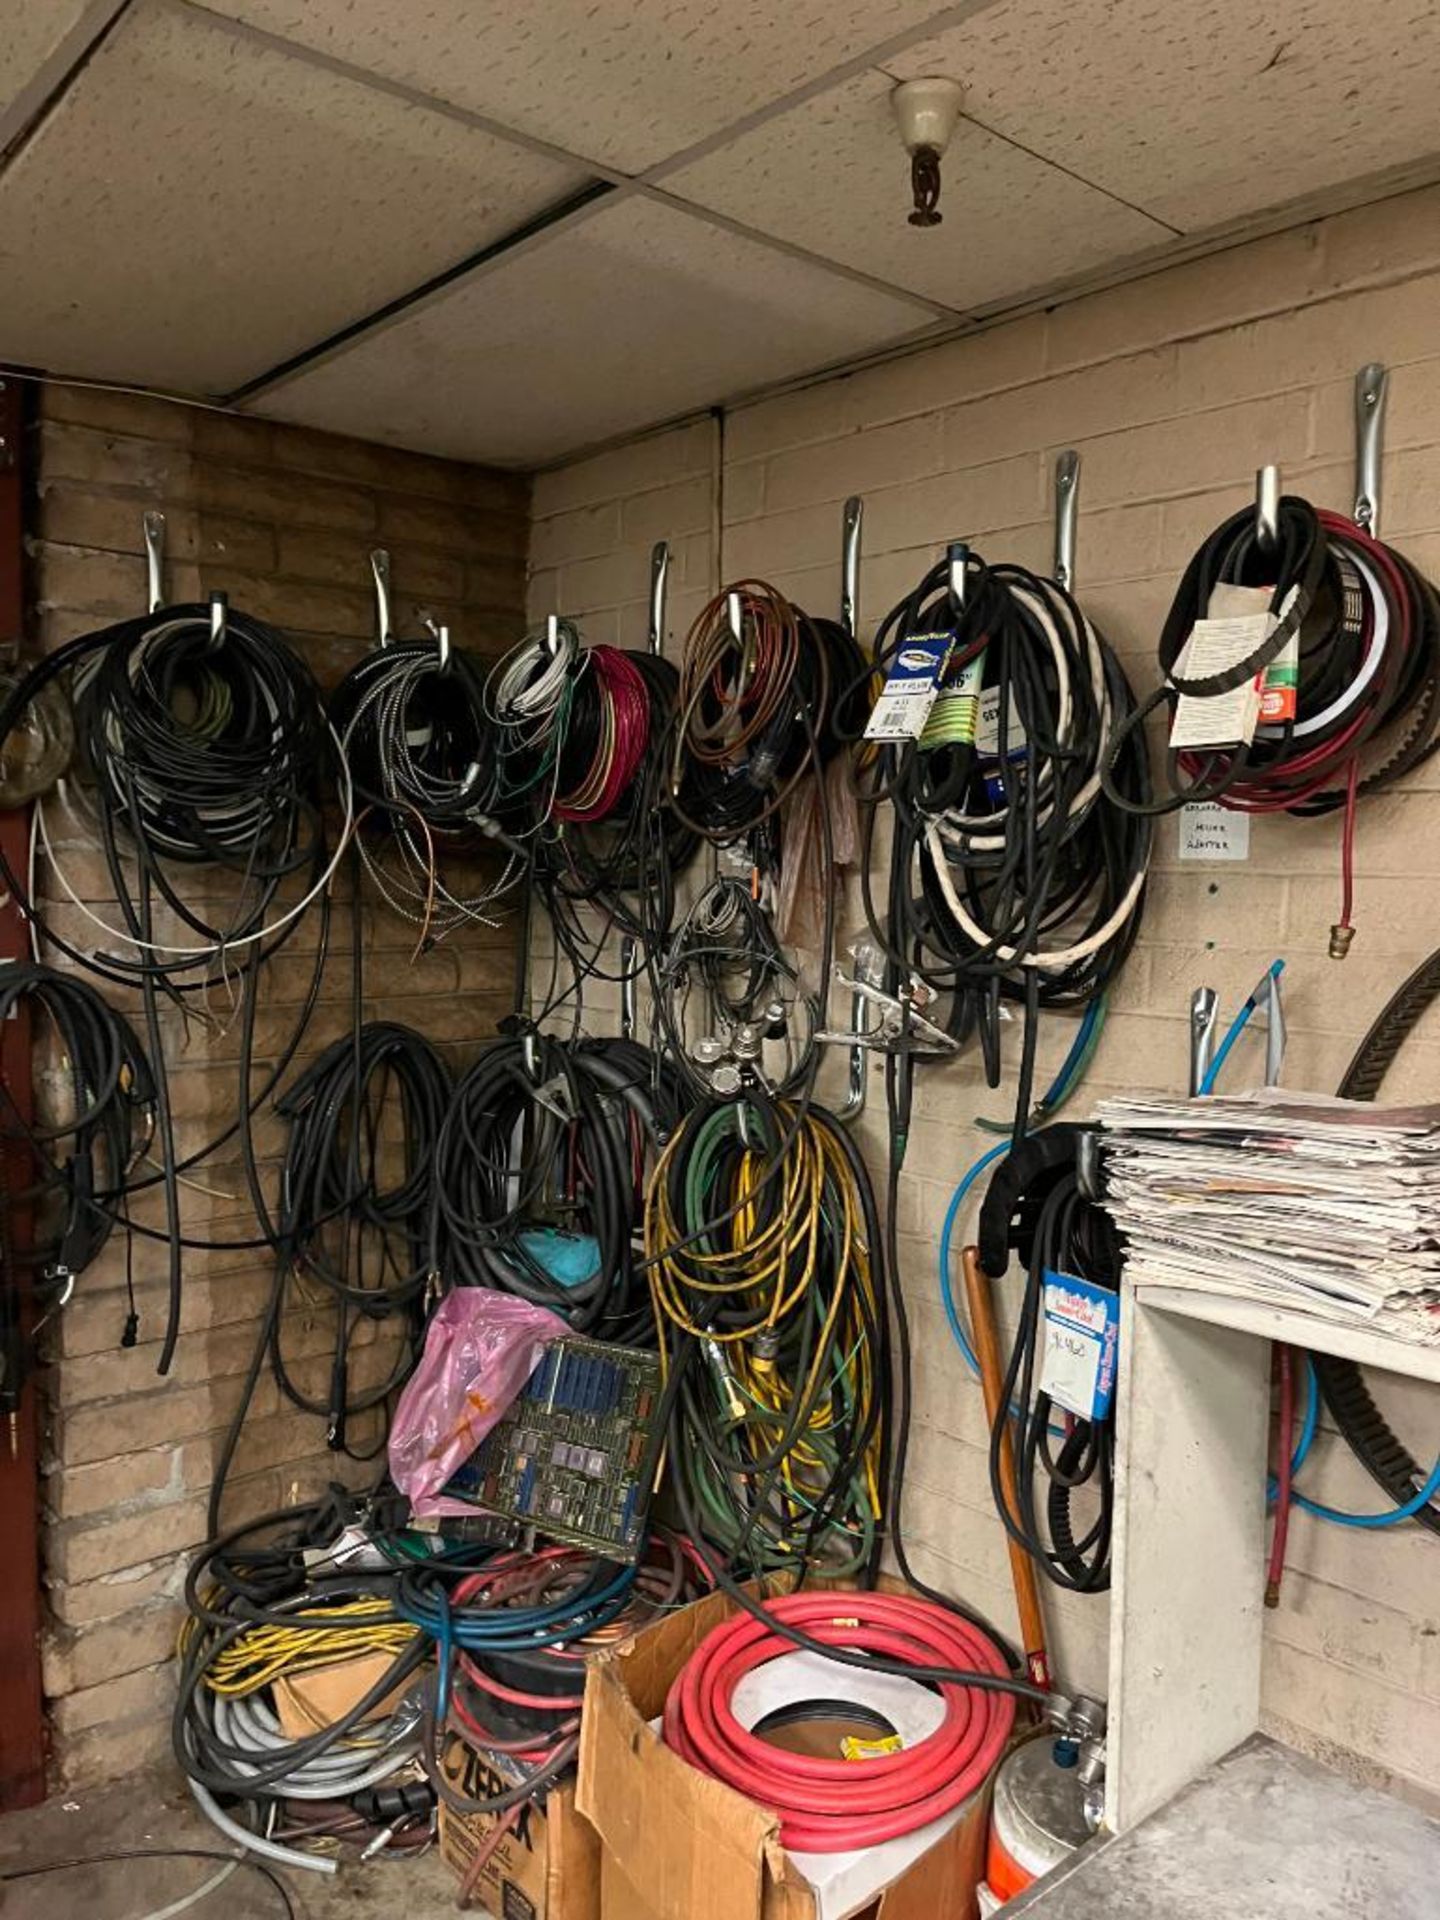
{"type": "Point", "coordinates": [480, 1348]}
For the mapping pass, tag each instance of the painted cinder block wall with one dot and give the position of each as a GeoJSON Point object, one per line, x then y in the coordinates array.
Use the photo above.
{"type": "Point", "coordinates": [284, 520]}
{"type": "Point", "coordinates": [1173, 389]}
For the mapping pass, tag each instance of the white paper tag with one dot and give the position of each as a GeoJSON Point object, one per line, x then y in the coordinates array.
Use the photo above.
{"type": "Point", "coordinates": [1219, 719]}
{"type": "Point", "coordinates": [1081, 1335]}
{"type": "Point", "coordinates": [987, 735]}
{"type": "Point", "coordinates": [910, 687]}
{"type": "Point", "coordinates": [1209, 831]}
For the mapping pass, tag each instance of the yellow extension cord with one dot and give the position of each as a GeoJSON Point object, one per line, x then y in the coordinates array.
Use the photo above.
{"type": "Point", "coordinates": [267, 1652]}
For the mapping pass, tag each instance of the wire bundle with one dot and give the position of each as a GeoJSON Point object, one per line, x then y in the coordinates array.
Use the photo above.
{"type": "Point", "coordinates": [759, 1230]}
{"type": "Point", "coordinates": [1365, 628]}
{"type": "Point", "coordinates": [422, 754]}
{"type": "Point", "coordinates": [540, 1164]}
{"type": "Point", "coordinates": [103, 1098]}
{"type": "Point", "coordinates": [204, 747]}
{"type": "Point", "coordinates": [1011, 874]}
{"type": "Point", "coordinates": [1036, 1205]}
{"type": "Point", "coordinates": [763, 689]}
{"type": "Point", "coordinates": [832, 1806]}
{"type": "Point", "coordinates": [257, 1614]}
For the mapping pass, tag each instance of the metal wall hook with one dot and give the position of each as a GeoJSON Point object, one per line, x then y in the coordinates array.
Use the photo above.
{"type": "Point", "coordinates": [735, 616]}
{"type": "Point", "coordinates": [957, 564]}
{"type": "Point", "coordinates": [851, 525]}
{"type": "Point", "coordinates": [380, 573]}
{"type": "Point", "coordinates": [153, 521]}
{"type": "Point", "coordinates": [440, 634]}
{"type": "Point", "coordinates": [552, 635]}
{"type": "Point", "coordinates": [219, 620]}
{"type": "Point", "coordinates": [1371, 386]}
{"type": "Point", "coordinates": [659, 580]}
{"type": "Point", "coordinates": [1067, 507]}
{"type": "Point", "coordinates": [1267, 509]}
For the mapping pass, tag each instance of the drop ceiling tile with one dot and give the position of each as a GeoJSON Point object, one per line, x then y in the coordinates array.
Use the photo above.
{"type": "Point", "coordinates": [636, 313]}
{"type": "Point", "coordinates": [623, 82]}
{"type": "Point", "coordinates": [831, 175]}
{"type": "Point", "coordinates": [1206, 112]}
{"type": "Point", "coordinates": [197, 207]}
{"type": "Point", "coordinates": [33, 31]}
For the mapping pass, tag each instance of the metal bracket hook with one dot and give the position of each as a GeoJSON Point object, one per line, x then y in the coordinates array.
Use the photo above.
{"type": "Point", "coordinates": [1371, 386]}
{"type": "Point", "coordinates": [957, 564]}
{"type": "Point", "coordinates": [850, 526]}
{"type": "Point", "coordinates": [1067, 504]}
{"type": "Point", "coordinates": [552, 635]}
{"type": "Point", "coordinates": [380, 573]}
{"type": "Point", "coordinates": [153, 521]}
{"type": "Point", "coordinates": [219, 620]}
{"type": "Point", "coordinates": [659, 579]}
{"type": "Point", "coordinates": [440, 635]}
{"type": "Point", "coordinates": [1267, 509]}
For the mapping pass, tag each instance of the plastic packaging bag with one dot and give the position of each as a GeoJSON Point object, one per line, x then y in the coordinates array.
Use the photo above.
{"type": "Point", "coordinates": [480, 1348]}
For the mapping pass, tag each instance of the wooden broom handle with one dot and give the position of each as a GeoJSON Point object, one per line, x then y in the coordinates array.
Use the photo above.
{"type": "Point", "coordinates": [992, 1382]}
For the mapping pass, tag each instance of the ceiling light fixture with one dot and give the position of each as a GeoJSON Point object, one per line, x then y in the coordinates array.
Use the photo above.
{"type": "Point", "coordinates": [926, 112]}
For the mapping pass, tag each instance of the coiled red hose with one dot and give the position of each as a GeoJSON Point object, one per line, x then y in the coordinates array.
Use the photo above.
{"type": "Point", "coordinates": [831, 1806]}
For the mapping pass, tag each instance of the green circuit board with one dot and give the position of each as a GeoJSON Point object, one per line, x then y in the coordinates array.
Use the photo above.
{"type": "Point", "coordinates": [569, 1456]}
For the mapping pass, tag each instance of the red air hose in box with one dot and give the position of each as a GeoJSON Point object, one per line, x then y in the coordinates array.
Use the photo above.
{"type": "Point", "coordinates": [830, 1806]}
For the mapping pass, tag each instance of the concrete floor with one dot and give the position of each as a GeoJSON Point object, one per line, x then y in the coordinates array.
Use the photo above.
{"type": "Point", "coordinates": [154, 1810]}
{"type": "Point", "coordinates": [1265, 1835]}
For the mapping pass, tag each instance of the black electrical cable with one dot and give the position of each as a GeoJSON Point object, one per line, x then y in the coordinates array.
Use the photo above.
{"type": "Point", "coordinates": [119, 1855]}
{"type": "Point", "coordinates": [204, 749]}
{"type": "Point", "coordinates": [84, 1156]}
{"type": "Point", "coordinates": [539, 1171]}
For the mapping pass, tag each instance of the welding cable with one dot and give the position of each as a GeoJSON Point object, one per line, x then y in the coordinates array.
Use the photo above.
{"type": "Point", "coordinates": [1011, 875]}
{"type": "Point", "coordinates": [540, 1163]}
{"type": "Point", "coordinates": [830, 1806]}
{"type": "Point", "coordinates": [201, 752]}
{"type": "Point", "coordinates": [1352, 674]}
{"type": "Point", "coordinates": [602, 876]}
{"type": "Point", "coordinates": [757, 712]}
{"type": "Point", "coordinates": [356, 1196]}
{"type": "Point", "coordinates": [774, 1334]}
{"type": "Point", "coordinates": [1037, 1205]}
{"type": "Point", "coordinates": [101, 1089]}
{"type": "Point", "coordinates": [422, 753]}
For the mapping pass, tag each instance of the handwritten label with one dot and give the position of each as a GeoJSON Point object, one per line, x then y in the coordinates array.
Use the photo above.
{"type": "Point", "coordinates": [1081, 1336]}
{"type": "Point", "coordinates": [1209, 831]}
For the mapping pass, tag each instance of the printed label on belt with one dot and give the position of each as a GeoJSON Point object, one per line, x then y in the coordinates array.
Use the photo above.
{"type": "Point", "coordinates": [1219, 719]}
{"type": "Point", "coordinates": [910, 687]}
{"type": "Point", "coordinates": [987, 737]}
{"type": "Point", "coordinates": [956, 713]}
{"type": "Point", "coordinates": [1081, 1336]}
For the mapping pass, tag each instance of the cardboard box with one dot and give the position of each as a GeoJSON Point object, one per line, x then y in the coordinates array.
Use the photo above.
{"type": "Point", "coordinates": [682, 1846]}
{"type": "Point", "coordinates": [306, 1702]}
{"type": "Point", "coordinates": [547, 1868]}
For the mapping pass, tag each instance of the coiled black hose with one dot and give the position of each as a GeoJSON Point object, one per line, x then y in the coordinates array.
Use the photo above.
{"type": "Point", "coordinates": [540, 1171]}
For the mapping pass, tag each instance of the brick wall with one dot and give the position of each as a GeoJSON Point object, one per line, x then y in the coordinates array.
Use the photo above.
{"type": "Point", "coordinates": [284, 520]}
{"type": "Point", "coordinates": [1174, 389]}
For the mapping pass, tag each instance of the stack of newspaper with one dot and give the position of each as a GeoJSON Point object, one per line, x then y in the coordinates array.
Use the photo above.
{"type": "Point", "coordinates": [1294, 1199]}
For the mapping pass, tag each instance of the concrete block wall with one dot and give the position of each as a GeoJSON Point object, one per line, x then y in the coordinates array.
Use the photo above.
{"type": "Point", "coordinates": [284, 520]}
{"type": "Point", "coordinates": [1173, 389]}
